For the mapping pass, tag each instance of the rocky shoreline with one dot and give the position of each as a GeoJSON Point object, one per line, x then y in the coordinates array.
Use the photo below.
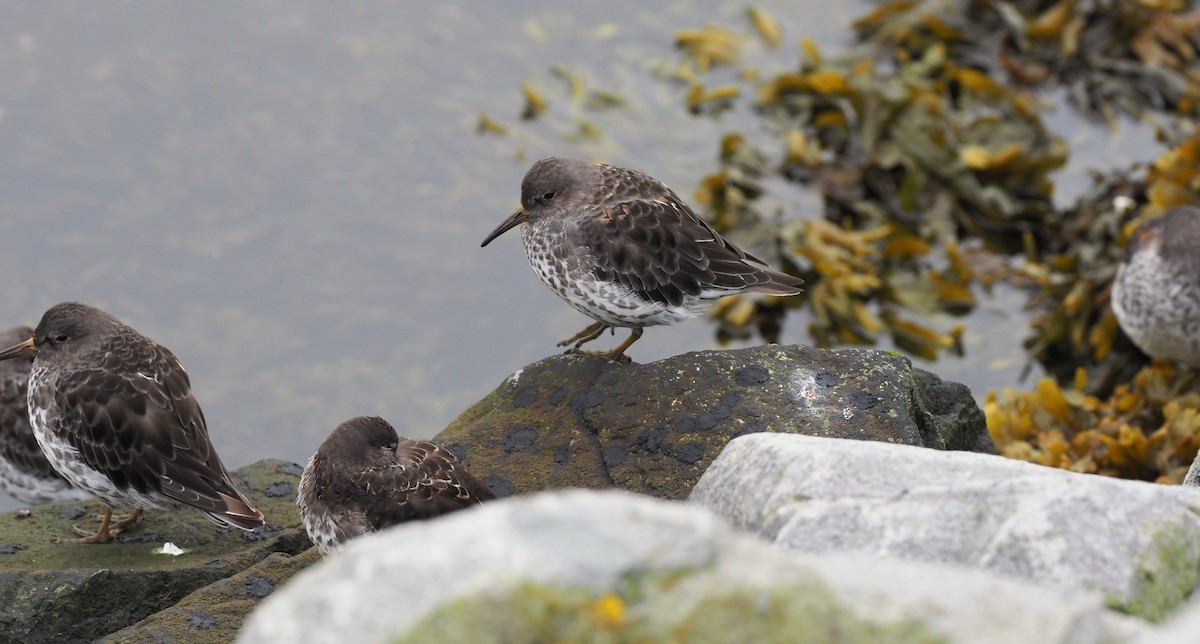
{"type": "Point", "coordinates": [739, 511]}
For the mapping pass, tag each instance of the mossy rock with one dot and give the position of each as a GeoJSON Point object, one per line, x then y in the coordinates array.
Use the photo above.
{"type": "Point", "coordinates": [586, 421]}
{"type": "Point", "coordinates": [70, 592]}
{"type": "Point", "coordinates": [215, 612]}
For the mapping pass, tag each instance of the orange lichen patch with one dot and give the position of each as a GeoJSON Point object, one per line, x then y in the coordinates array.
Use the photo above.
{"type": "Point", "coordinates": [1147, 429]}
{"type": "Point", "coordinates": [607, 612]}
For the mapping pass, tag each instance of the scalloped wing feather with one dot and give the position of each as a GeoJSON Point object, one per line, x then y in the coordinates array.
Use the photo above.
{"type": "Point", "coordinates": [425, 482]}
{"type": "Point", "coordinates": [144, 429]}
{"type": "Point", "coordinates": [663, 251]}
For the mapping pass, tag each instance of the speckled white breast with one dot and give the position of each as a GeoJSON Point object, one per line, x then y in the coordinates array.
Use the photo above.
{"type": "Point", "coordinates": [1158, 308]}
{"type": "Point", "coordinates": [319, 521]}
{"type": "Point", "coordinates": [607, 302]}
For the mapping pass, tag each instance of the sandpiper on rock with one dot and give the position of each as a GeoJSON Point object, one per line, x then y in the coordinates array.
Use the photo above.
{"type": "Point", "coordinates": [365, 477]}
{"type": "Point", "coordinates": [114, 414]}
{"type": "Point", "coordinates": [625, 250]}
{"type": "Point", "coordinates": [1156, 293]}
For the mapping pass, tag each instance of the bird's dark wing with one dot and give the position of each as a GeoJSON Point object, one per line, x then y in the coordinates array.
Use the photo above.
{"type": "Point", "coordinates": [658, 247]}
{"type": "Point", "coordinates": [142, 426]}
{"type": "Point", "coordinates": [426, 481]}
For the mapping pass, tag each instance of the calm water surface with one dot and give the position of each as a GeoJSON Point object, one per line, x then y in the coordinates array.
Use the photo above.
{"type": "Point", "coordinates": [291, 195]}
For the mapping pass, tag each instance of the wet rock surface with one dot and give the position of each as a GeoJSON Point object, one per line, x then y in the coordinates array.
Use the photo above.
{"type": "Point", "coordinates": [215, 613]}
{"type": "Point", "coordinates": [79, 592]}
{"type": "Point", "coordinates": [585, 421]}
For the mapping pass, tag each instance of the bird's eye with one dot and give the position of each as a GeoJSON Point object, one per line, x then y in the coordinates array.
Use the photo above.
{"type": "Point", "coordinates": [391, 447]}
{"type": "Point", "coordinates": [62, 337]}
{"type": "Point", "coordinates": [548, 196]}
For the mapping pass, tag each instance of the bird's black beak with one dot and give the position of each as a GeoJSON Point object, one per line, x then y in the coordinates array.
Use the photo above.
{"type": "Point", "coordinates": [26, 349]}
{"type": "Point", "coordinates": [517, 217]}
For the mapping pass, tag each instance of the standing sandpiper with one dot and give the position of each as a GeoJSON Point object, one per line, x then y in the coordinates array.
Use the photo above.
{"type": "Point", "coordinates": [1156, 293]}
{"type": "Point", "coordinates": [114, 413]}
{"type": "Point", "coordinates": [625, 250]}
{"type": "Point", "coordinates": [365, 478]}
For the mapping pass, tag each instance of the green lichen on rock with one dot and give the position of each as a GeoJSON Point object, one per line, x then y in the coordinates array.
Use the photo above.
{"type": "Point", "coordinates": [1167, 574]}
{"type": "Point", "coordinates": [215, 612]}
{"type": "Point", "coordinates": [69, 592]}
{"type": "Point", "coordinates": [659, 608]}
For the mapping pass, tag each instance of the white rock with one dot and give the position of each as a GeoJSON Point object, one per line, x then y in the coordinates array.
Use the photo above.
{"type": "Point", "coordinates": [680, 561]}
{"type": "Point", "coordinates": [1137, 543]}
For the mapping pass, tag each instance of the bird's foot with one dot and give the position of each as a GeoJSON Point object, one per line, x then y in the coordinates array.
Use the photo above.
{"type": "Point", "coordinates": [614, 355]}
{"type": "Point", "coordinates": [109, 529]}
{"type": "Point", "coordinates": [592, 332]}
{"type": "Point", "coordinates": [119, 524]}
{"type": "Point", "coordinates": [99, 536]}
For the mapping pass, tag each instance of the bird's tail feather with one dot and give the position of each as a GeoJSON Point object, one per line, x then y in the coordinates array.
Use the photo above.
{"type": "Point", "coordinates": [778, 284]}
{"type": "Point", "coordinates": [238, 513]}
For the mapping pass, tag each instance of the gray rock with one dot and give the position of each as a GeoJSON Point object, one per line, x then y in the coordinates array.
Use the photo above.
{"type": "Point", "coordinates": [1137, 543]}
{"type": "Point", "coordinates": [585, 421]}
{"type": "Point", "coordinates": [563, 566]}
{"type": "Point", "coordinates": [215, 612]}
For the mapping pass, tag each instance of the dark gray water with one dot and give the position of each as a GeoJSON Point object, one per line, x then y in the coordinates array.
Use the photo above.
{"type": "Point", "coordinates": [291, 195]}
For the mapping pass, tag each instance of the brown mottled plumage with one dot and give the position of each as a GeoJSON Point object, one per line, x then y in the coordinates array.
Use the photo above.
{"type": "Point", "coordinates": [115, 415]}
{"type": "Point", "coordinates": [25, 474]}
{"type": "Point", "coordinates": [625, 250]}
{"type": "Point", "coordinates": [365, 477]}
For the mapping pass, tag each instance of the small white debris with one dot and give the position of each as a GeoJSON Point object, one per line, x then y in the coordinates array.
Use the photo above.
{"type": "Point", "coordinates": [169, 548]}
{"type": "Point", "coordinates": [1123, 204]}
